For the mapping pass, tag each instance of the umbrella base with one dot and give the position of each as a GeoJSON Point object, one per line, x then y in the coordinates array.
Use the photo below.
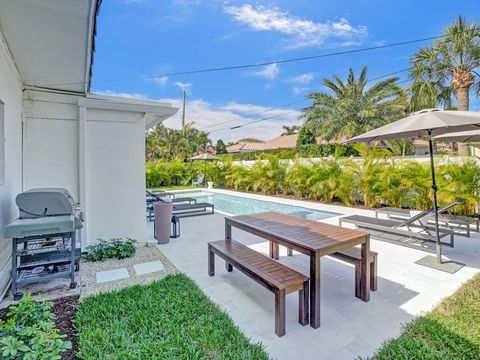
{"type": "Point", "coordinates": [448, 266]}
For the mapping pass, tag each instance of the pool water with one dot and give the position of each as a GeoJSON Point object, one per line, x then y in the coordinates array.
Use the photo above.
{"type": "Point", "coordinates": [239, 205]}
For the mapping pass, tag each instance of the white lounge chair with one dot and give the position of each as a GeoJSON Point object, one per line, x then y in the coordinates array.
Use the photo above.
{"type": "Point", "coordinates": [200, 178]}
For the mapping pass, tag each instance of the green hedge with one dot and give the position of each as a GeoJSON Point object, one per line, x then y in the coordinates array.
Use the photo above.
{"type": "Point", "coordinates": [370, 181]}
{"type": "Point", "coordinates": [322, 150]}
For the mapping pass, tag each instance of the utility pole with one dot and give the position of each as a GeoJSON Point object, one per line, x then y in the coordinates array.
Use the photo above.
{"type": "Point", "coordinates": [184, 102]}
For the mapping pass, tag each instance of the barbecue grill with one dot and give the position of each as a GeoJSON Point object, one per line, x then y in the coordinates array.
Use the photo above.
{"type": "Point", "coordinates": [44, 237]}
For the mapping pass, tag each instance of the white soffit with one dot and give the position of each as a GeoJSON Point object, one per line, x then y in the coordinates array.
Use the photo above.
{"type": "Point", "coordinates": [50, 41]}
{"type": "Point", "coordinates": [154, 111]}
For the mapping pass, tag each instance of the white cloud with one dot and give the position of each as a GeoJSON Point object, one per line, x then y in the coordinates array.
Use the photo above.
{"type": "Point", "coordinates": [299, 90]}
{"type": "Point", "coordinates": [219, 119]}
{"type": "Point", "coordinates": [267, 72]}
{"type": "Point", "coordinates": [182, 85]}
{"type": "Point", "coordinates": [303, 78]}
{"type": "Point", "coordinates": [122, 94]}
{"type": "Point", "coordinates": [160, 80]}
{"type": "Point", "coordinates": [301, 32]}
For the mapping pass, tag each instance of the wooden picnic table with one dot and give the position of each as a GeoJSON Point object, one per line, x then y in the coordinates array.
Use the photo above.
{"type": "Point", "coordinates": [312, 238]}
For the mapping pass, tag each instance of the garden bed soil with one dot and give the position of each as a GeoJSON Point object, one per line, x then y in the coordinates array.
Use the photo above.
{"type": "Point", "coordinates": [64, 309]}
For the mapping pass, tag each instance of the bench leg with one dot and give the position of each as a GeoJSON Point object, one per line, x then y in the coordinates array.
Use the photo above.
{"type": "Point", "coordinates": [358, 267]}
{"type": "Point", "coordinates": [274, 248]}
{"type": "Point", "coordinates": [289, 251]}
{"type": "Point", "coordinates": [373, 274]}
{"type": "Point", "coordinates": [280, 312]}
{"type": "Point", "coordinates": [228, 267]}
{"type": "Point", "coordinates": [211, 261]}
{"type": "Point", "coordinates": [303, 296]}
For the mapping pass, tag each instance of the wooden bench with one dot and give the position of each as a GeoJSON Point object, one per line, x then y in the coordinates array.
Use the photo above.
{"type": "Point", "coordinates": [354, 257]}
{"type": "Point", "coordinates": [278, 278]}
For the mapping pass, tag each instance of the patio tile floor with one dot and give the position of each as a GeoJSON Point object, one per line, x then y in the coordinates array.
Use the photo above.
{"type": "Point", "coordinates": [349, 327]}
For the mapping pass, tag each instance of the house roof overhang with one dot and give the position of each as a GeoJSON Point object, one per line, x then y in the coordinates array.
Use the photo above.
{"type": "Point", "coordinates": [51, 42]}
{"type": "Point", "coordinates": [154, 111]}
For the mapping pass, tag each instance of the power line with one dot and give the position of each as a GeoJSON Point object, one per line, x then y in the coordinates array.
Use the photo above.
{"type": "Point", "coordinates": [304, 58]}
{"type": "Point", "coordinates": [285, 105]}
{"type": "Point", "coordinates": [370, 80]}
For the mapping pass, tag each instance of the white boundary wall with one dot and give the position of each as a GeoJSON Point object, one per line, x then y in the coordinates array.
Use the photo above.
{"type": "Point", "coordinates": [11, 96]}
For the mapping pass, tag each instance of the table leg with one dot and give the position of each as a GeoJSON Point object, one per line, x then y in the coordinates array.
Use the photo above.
{"type": "Point", "coordinates": [315, 290]}
{"type": "Point", "coordinates": [274, 250]}
{"type": "Point", "coordinates": [228, 231]}
{"type": "Point", "coordinates": [365, 271]}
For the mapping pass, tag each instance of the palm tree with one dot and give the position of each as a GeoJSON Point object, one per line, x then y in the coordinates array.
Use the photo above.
{"type": "Point", "coordinates": [448, 67]}
{"type": "Point", "coordinates": [290, 130]}
{"type": "Point", "coordinates": [351, 108]}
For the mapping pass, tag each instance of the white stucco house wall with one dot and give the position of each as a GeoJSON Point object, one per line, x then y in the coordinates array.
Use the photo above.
{"type": "Point", "coordinates": [55, 133]}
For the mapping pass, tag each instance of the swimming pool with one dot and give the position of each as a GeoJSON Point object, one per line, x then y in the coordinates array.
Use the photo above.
{"type": "Point", "coordinates": [240, 205]}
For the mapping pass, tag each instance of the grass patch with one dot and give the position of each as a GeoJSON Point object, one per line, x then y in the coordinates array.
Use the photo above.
{"type": "Point", "coordinates": [450, 331]}
{"type": "Point", "coordinates": [168, 319]}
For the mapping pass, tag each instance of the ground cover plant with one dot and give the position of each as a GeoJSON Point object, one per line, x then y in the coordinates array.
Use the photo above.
{"type": "Point", "coordinates": [168, 319]}
{"type": "Point", "coordinates": [108, 249]}
{"type": "Point", "coordinates": [451, 331]}
{"type": "Point", "coordinates": [29, 332]}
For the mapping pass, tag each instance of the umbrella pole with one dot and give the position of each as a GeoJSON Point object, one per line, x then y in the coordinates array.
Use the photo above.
{"type": "Point", "coordinates": [435, 204]}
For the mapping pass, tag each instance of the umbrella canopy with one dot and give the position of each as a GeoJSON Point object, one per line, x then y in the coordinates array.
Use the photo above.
{"type": "Point", "coordinates": [204, 156]}
{"type": "Point", "coordinates": [428, 122]}
{"type": "Point", "coordinates": [472, 136]}
{"type": "Point", "coordinates": [424, 123]}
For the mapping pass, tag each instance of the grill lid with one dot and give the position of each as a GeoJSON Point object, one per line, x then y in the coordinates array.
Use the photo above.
{"type": "Point", "coordinates": [45, 202]}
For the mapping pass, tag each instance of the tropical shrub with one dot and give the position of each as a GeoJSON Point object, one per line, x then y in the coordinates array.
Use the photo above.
{"type": "Point", "coordinates": [108, 249]}
{"type": "Point", "coordinates": [374, 179]}
{"type": "Point", "coordinates": [30, 333]}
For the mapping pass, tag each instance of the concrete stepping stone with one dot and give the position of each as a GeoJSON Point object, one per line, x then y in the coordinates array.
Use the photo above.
{"type": "Point", "coordinates": [112, 275]}
{"type": "Point", "coordinates": [148, 267]}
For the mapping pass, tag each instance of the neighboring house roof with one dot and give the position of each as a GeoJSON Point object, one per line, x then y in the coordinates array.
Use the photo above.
{"type": "Point", "coordinates": [51, 42]}
{"type": "Point", "coordinates": [282, 142]}
{"type": "Point", "coordinates": [246, 147]}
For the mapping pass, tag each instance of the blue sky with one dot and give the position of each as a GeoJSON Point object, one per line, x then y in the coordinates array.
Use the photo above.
{"type": "Point", "coordinates": [138, 41]}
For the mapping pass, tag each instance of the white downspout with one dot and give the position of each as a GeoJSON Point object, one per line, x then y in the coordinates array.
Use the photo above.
{"type": "Point", "coordinates": [82, 169]}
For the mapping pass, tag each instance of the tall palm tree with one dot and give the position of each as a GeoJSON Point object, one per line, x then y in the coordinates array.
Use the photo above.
{"type": "Point", "coordinates": [290, 130]}
{"type": "Point", "coordinates": [448, 67]}
{"type": "Point", "coordinates": [351, 107]}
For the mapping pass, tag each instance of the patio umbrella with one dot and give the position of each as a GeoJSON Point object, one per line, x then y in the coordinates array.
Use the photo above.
{"type": "Point", "coordinates": [425, 123]}
{"type": "Point", "coordinates": [472, 136]}
{"type": "Point", "coordinates": [204, 157]}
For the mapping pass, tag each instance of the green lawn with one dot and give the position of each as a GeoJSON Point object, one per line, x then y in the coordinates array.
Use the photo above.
{"type": "Point", "coordinates": [451, 331]}
{"type": "Point", "coordinates": [168, 319]}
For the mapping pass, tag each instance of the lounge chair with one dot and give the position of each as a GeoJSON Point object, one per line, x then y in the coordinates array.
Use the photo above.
{"type": "Point", "coordinates": [159, 196]}
{"type": "Point", "coordinates": [415, 227]}
{"type": "Point", "coordinates": [186, 210]}
{"type": "Point", "coordinates": [153, 197]}
{"type": "Point", "coordinates": [161, 193]}
{"type": "Point", "coordinates": [200, 178]}
{"type": "Point", "coordinates": [457, 223]}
